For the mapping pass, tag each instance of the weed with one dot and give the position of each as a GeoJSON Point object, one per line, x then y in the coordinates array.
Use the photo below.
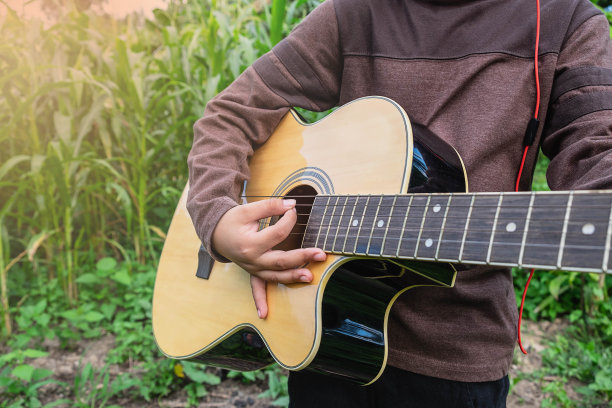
{"type": "Point", "coordinates": [95, 126]}
{"type": "Point", "coordinates": [19, 381]}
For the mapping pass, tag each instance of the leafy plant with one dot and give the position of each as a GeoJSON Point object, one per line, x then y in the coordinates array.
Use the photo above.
{"type": "Point", "coordinates": [198, 379]}
{"type": "Point", "coordinates": [277, 387]}
{"type": "Point", "coordinates": [93, 388]}
{"type": "Point", "coordinates": [19, 381]}
{"type": "Point", "coordinates": [95, 124]}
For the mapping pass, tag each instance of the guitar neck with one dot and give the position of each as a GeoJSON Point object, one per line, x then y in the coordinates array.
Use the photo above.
{"type": "Point", "coordinates": [547, 230]}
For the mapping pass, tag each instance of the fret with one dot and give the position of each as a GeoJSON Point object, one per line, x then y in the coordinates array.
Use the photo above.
{"type": "Point", "coordinates": [314, 223]}
{"type": "Point", "coordinates": [586, 242]}
{"type": "Point", "coordinates": [397, 223]}
{"type": "Point", "coordinates": [564, 231]}
{"type": "Point", "coordinates": [412, 226]}
{"type": "Point", "coordinates": [332, 223]}
{"type": "Point", "coordinates": [418, 240]}
{"type": "Point", "coordinates": [351, 202]}
{"type": "Point", "coordinates": [374, 222]}
{"type": "Point", "coordinates": [467, 223]}
{"type": "Point", "coordinates": [365, 227]}
{"type": "Point", "coordinates": [509, 232]}
{"type": "Point", "coordinates": [358, 223]}
{"type": "Point", "coordinates": [389, 219]}
{"type": "Point", "coordinates": [604, 266]}
{"type": "Point", "coordinates": [342, 225]}
{"type": "Point", "coordinates": [353, 230]}
{"type": "Point", "coordinates": [480, 229]}
{"type": "Point", "coordinates": [380, 225]}
{"type": "Point", "coordinates": [432, 223]}
{"type": "Point", "coordinates": [455, 228]}
{"type": "Point", "coordinates": [450, 196]}
{"type": "Point", "coordinates": [527, 221]}
{"type": "Point", "coordinates": [323, 222]}
{"type": "Point", "coordinates": [545, 228]}
{"type": "Point", "coordinates": [501, 198]}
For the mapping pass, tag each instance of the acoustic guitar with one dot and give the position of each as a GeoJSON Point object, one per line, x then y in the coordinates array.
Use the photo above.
{"type": "Point", "coordinates": [388, 201]}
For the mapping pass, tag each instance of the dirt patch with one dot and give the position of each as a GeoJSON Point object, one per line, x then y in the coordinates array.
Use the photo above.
{"type": "Point", "coordinates": [528, 393]}
{"type": "Point", "coordinates": [229, 393]}
{"type": "Point", "coordinates": [68, 364]}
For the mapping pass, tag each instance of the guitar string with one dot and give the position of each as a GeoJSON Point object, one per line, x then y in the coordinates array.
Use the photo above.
{"type": "Point", "coordinates": [539, 237]}
{"type": "Point", "coordinates": [444, 201]}
{"type": "Point", "coordinates": [406, 244]}
{"type": "Point", "coordinates": [410, 245]}
{"type": "Point", "coordinates": [586, 193]}
{"type": "Point", "coordinates": [475, 206]}
{"type": "Point", "coordinates": [365, 223]}
{"type": "Point", "coordinates": [420, 210]}
{"type": "Point", "coordinates": [355, 233]}
{"type": "Point", "coordinates": [547, 221]}
{"type": "Point", "coordinates": [406, 210]}
{"type": "Point", "coordinates": [479, 244]}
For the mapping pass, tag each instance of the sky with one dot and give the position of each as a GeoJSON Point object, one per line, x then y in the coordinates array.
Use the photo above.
{"type": "Point", "coordinates": [122, 7]}
{"type": "Point", "coordinates": [118, 8]}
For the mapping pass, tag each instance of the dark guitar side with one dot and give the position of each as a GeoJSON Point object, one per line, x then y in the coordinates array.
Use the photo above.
{"type": "Point", "coordinates": [360, 292]}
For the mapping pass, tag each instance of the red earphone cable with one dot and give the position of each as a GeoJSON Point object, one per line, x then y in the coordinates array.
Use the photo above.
{"type": "Point", "coordinates": [537, 73]}
{"type": "Point", "coordinates": [521, 311]}
{"type": "Point", "coordinates": [520, 172]}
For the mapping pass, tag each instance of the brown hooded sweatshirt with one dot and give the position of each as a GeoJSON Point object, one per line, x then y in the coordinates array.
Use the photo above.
{"type": "Point", "coordinates": [464, 69]}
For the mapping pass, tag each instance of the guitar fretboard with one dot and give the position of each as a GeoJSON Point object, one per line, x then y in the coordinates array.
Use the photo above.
{"type": "Point", "coordinates": [551, 230]}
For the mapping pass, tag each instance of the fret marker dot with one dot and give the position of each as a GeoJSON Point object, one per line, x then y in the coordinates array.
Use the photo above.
{"type": "Point", "coordinates": [511, 227]}
{"type": "Point", "coordinates": [380, 223]}
{"type": "Point", "coordinates": [355, 223]}
{"type": "Point", "coordinates": [588, 229]}
{"type": "Point", "coordinates": [429, 242]}
{"type": "Point", "coordinates": [437, 208]}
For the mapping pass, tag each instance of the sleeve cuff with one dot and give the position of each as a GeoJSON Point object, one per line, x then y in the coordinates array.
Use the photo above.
{"type": "Point", "coordinates": [223, 205]}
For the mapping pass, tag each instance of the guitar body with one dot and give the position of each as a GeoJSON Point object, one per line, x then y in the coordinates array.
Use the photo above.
{"type": "Point", "coordinates": [337, 323]}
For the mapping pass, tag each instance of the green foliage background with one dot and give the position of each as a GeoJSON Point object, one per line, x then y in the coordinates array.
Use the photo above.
{"type": "Point", "coordinates": [96, 119]}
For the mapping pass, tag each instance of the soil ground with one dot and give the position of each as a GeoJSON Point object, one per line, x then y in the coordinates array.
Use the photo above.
{"type": "Point", "coordinates": [231, 393]}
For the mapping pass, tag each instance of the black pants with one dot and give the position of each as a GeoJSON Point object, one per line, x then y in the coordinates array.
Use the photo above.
{"type": "Point", "coordinates": [394, 389]}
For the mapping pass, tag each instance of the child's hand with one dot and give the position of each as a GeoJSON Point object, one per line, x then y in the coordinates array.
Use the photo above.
{"type": "Point", "coordinates": [237, 238]}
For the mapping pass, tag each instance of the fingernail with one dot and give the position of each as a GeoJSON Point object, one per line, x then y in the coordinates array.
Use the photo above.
{"type": "Point", "coordinates": [320, 256]}
{"type": "Point", "coordinates": [305, 278]}
{"type": "Point", "coordinates": [289, 203]}
{"type": "Point", "coordinates": [259, 313]}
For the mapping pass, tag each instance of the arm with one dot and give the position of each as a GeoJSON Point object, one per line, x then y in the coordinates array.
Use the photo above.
{"type": "Point", "coordinates": [578, 133]}
{"type": "Point", "coordinates": [303, 70]}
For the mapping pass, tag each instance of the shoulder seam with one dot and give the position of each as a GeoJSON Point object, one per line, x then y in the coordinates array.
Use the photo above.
{"type": "Point", "coordinates": [594, 13]}
{"type": "Point", "coordinates": [510, 54]}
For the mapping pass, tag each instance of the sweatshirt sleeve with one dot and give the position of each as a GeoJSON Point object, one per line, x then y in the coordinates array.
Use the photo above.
{"type": "Point", "coordinates": [578, 132]}
{"type": "Point", "coordinates": [303, 70]}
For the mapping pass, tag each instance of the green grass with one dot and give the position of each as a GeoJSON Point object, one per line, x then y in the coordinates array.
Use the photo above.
{"type": "Point", "coordinates": [96, 121]}
{"type": "Point", "coordinates": [95, 125]}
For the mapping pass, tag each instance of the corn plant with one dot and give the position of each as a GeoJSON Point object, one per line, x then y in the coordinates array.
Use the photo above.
{"type": "Point", "coordinates": [95, 125]}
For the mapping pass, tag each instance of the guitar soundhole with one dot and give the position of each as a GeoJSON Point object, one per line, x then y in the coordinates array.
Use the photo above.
{"type": "Point", "coordinates": [304, 197]}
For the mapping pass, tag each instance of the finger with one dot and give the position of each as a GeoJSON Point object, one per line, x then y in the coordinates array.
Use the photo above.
{"type": "Point", "coordinates": [284, 260]}
{"type": "Point", "coordinates": [298, 275]}
{"type": "Point", "coordinates": [268, 208]}
{"type": "Point", "coordinates": [258, 288]}
{"type": "Point", "coordinates": [277, 233]}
